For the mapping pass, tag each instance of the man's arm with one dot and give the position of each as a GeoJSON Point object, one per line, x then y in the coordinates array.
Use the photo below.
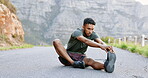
{"type": "Point", "coordinates": [94, 44]}
{"type": "Point", "coordinates": [98, 40]}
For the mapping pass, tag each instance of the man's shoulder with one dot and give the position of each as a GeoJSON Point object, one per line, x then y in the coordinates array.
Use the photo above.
{"type": "Point", "coordinates": [77, 32]}
{"type": "Point", "coordinates": [94, 35]}
{"type": "Point", "coordinates": [78, 29]}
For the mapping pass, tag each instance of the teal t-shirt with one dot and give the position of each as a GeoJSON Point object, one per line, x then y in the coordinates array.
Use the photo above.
{"type": "Point", "coordinates": [74, 45]}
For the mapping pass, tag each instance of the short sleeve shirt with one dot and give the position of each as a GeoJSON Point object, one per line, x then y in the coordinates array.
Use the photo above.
{"type": "Point", "coordinates": [76, 46]}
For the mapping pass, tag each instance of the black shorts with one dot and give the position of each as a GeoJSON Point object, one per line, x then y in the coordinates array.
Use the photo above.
{"type": "Point", "coordinates": [74, 56]}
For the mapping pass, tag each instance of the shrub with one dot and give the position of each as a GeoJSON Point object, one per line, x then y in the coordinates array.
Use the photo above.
{"type": "Point", "coordinates": [145, 53]}
{"type": "Point", "coordinates": [123, 46]}
{"type": "Point", "coordinates": [133, 48]}
{"type": "Point", "coordinates": [105, 39]}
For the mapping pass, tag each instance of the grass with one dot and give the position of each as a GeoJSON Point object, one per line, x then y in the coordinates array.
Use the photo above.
{"type": "Point", "coordinates": [44, 45]}
{"type": "Point", "coordinates": [133, 48]}
{"type": "Point", "coordinates": [17, 47]}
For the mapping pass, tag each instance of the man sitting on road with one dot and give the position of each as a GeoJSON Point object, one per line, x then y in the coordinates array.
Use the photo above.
{"type": "Point", "coordinates": [80, 39]}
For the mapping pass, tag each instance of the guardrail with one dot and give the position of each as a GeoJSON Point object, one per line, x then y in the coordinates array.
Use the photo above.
{"type": "Point", "coordinates": [136, 39]}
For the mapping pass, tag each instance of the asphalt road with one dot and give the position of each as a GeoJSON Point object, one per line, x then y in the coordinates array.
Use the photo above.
{"type": "Point", "coordinates": [42, 62]}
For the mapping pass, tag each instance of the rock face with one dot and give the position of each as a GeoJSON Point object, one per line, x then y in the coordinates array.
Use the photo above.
{"type": "Point", "coordinates": [45, 20]}
{"type": "Point", "coordinates": [11, 31]}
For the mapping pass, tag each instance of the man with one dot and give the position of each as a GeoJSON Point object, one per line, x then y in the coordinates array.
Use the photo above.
{"type": "Point", "coordinates": [80, 39]}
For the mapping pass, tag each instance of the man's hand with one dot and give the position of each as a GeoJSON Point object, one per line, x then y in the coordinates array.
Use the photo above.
{"type": "Point", "coordinates": [107, 48]}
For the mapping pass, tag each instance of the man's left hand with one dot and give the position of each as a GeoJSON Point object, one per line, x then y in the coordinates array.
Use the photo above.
{"type": "Point", "coordinates": [107, 48]}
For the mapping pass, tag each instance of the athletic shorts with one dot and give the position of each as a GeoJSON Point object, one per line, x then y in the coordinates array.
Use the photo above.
{"type": "Point", "coordinates": [74, 56]}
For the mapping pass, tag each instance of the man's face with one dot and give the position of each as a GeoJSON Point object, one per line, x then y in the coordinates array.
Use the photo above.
{"type": "Point", "coordinates": [88, 29]}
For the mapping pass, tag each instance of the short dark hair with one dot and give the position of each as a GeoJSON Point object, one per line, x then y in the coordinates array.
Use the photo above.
{"type": "Point", "coordinates": [89, 21]}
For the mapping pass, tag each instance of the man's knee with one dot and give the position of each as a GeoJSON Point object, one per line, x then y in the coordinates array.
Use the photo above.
{"type": "Point", "coordinates": [89, 61]}
{"type": "Point", "coordinates": [56, 41]}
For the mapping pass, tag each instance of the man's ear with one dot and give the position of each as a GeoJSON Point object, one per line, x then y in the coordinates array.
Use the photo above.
{"type": "Point", "coordinates": [83, 27]}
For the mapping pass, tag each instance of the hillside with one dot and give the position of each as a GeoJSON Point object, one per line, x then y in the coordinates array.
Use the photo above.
{"type": "Point", "coordinates": [11, 31]}
{"type": "Point", "coordinates": [45, 20]}
{"type": "Point", "coordinates": [9, 5]}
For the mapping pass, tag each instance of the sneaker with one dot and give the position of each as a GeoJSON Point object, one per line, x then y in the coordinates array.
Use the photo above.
{"type": "Point", "coordinates": [109, 63]}
{"type": "Point", "coordinates": [78, 64]}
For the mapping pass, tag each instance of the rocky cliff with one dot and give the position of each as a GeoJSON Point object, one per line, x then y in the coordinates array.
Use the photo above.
{"type": "Point", "coordinates": [45, 20]}
{"type": "Point", "coordinates": [11, 31]}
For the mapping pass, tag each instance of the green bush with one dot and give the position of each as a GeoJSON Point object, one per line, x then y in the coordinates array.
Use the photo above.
{"type": "Point", "coordinates": [145, 53]}
{"type": "Point", "coordinates": [105, 39]}
{"type": "Point", "coordinates": [133, 48]}
{"type": "Point", "coordinates": [123, 46]}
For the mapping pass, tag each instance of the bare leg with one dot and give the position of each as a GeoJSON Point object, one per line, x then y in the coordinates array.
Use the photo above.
{"type": "Point", "coordinates": [95, 65]}
{"type": "Point", "coordinates": [61, 51]}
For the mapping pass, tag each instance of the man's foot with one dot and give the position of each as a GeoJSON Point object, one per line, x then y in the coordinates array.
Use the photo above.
{"type": "Point", "coordinates": [109, 63]}
{"type": "Point", "coordinates": [78, 64]}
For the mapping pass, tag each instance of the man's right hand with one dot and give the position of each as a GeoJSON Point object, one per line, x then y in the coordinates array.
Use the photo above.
{"type": "Point", "coordinates": [107, 48]}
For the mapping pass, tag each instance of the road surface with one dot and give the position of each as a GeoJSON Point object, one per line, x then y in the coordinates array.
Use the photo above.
{"type": "Point", "coordinates": [42, 62]}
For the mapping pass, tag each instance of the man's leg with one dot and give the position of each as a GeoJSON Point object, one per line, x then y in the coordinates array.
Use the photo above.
{"type": "Point", "coordinates": [95, 65]}
{"type": "Point", "coordinates": [61, 51]}
{"type": "Point", "coordinates": [110, 61]}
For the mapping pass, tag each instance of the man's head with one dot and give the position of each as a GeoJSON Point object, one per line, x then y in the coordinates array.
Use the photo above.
{"type": "Point", "coordinates": [88, 26]}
